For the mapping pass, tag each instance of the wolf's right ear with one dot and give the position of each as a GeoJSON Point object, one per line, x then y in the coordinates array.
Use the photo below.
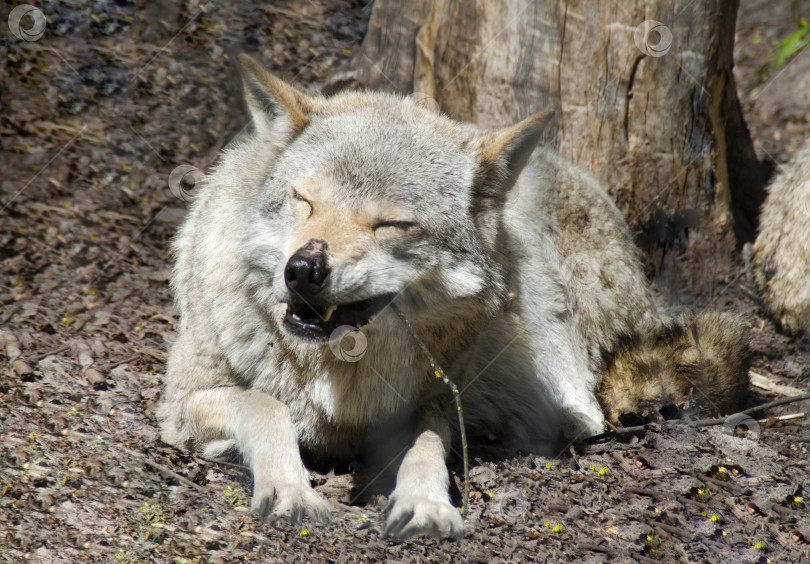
{"type": "Point", "coordinates": [279, 111]}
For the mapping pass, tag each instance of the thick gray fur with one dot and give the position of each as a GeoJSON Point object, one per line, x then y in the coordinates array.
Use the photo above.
{"type": "Point", "coordinates": [781, 253]}
{"type": "Point", "coordinates": [517, 279]}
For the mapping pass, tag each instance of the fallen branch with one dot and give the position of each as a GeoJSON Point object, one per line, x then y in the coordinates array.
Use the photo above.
{"type": "Point", "coordinates": [692, 423]}
{"type": "Point", "coordinates": [41, 356]}
{"type": "Point", "coordinates": [623, 464]}
{"type": "Point", "coordinates": [736, 511]}
{"type": "Point", "coordinates": [15, 359]}
{"type": "Point", "coordinates": [699, 504]}
{"type": "Point", "coordinates": [728, 486]}
{"type": "Point", "coordinates": [598, 548]}
{"type": "Point", "coordinates": [769, 384]}
{"type": "Point", "coordinates": [166, 471]}
{"type": "Point", "coordinates": [171, 473]}
{"type": "Point", "coordinates": [127, 360]}
{"type": "Point", "coordinates": [777, 534]}
{"type": "Point", "coordinates": [767, 422]}
{"type": "Point", "coordinates": [221, 461]}
{"type": "Point", "coordinates": [84, 355]}
{"type": "Point", "coordinates": [674, 531]}
{"type": "Point", "coordinates": [643, 491]}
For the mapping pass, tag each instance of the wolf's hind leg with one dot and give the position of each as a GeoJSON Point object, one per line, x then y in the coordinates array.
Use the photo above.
{"type": "Point", "coordinates": [420, 503]}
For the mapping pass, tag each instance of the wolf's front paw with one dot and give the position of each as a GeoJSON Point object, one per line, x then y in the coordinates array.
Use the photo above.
{"type": "Point", "coordinates": [412, 515]}
{"type": "Point", "coordinates": [292, 502]}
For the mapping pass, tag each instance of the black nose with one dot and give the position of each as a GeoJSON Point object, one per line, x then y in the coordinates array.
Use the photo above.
{"type": "Point", "coordinates": [306, 271]}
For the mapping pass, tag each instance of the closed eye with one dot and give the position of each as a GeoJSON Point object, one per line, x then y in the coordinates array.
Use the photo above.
{"type": "Point", "coordinates": [296, 195]}
{"type": "Point", "coordinates": [403, 225]}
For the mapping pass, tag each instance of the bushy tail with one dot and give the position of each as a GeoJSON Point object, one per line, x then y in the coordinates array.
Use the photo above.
{"type": "Point", "coordinates": [697, 361]}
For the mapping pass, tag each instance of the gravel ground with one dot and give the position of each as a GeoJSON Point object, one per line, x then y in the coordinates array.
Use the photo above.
{"type": "Point", "coordinates": [96, 115]}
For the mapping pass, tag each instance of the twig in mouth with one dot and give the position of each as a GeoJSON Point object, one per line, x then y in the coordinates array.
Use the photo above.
{"type": "Point", "coordinates": [437, 370]}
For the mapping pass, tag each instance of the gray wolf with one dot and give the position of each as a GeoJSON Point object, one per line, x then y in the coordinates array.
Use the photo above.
{"type": "Point", "coordinates": [780, 256]}
{"type": "Point", "coordinates": [513, 266]}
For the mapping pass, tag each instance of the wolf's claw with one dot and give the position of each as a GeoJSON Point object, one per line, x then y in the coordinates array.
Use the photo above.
{"type": "Point", "coordinates": [411, 515]}
{"type": "Point", "coordinates": [292, 502]}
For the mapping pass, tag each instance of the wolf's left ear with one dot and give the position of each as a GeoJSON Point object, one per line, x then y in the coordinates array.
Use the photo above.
{"type": "Point", "coordinates": [279, 111]}
{"type": "Point", "coordinates": [503, 154]}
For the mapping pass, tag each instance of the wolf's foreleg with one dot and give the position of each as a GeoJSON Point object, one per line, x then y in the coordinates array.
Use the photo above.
{"type": "Point", "coordinates": [258, 425]}
{"type": "Point", "coordinates": [420, 503]}
{"type": "Point", "coordinates": [263, 432]}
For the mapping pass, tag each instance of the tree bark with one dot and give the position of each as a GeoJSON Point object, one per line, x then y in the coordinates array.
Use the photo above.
{"type": "Point", "coordinates": [644, 95]}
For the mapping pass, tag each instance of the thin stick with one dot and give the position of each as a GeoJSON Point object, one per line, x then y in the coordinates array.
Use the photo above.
{"type": "Point", "coordinates": [439, 373]}
{"type": "Point", "coordinates": [40, 356]}
{"type": "Point", "coordinates": [166, 471]}
{"type": "Point", "coordinates": [171, 473]}
{"type": "Point", "coordinates": [127, 360]}
{"type": "Point", "coordinates": [775, 403]}
{"type": "Point", "coordinates": [698, 423]}
{"type": "Point", "coordinates": [220, 461]}
{"type": "Point", "coordinates": [778, 418]}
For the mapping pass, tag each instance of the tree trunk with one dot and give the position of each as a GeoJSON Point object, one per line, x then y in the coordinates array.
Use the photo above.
{"type": "Point", "coordinates": [644, 94]}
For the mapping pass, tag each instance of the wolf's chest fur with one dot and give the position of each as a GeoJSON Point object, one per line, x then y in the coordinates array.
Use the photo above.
{"type": "Point", "coordinates": [334, 401]}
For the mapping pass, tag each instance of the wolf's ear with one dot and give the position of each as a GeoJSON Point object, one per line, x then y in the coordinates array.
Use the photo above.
{"type": "Point", "coordinates": [279, 111]}
{"type": "Point", "coordinates": [502, 154]}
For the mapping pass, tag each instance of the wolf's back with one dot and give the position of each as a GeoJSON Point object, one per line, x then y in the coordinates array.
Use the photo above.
{"type": "Point", "coordinates": [642, 359]}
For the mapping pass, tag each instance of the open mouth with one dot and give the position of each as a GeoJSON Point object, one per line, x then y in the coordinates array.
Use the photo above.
{"type": "Point", "coordinates": [318, 322]}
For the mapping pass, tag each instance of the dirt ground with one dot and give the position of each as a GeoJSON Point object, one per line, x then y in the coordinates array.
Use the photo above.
{"type": "Point", "coordinates": [96, 114]}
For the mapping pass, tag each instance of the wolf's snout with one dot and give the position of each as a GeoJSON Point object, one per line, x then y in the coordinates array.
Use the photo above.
{"type": "Point", "coordinates": [306, 271]}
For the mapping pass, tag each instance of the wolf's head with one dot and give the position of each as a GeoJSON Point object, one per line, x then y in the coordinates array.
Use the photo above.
{"type": "Point", "coordinates": [373, 197]}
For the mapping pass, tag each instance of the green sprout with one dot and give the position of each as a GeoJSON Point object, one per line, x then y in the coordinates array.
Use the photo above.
{"type": "Point", "coordinates": [791, 45]}
{"type": "Point", "coordinates": [234, 495]}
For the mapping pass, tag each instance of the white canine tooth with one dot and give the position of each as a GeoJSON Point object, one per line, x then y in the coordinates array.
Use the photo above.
{"type": "Point", "coordinates": [330, 310]}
